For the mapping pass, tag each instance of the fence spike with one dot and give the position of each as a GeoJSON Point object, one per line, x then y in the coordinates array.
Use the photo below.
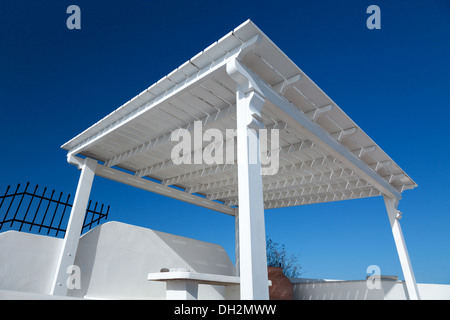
{"type": "Point", "coordinates": [39, 219]}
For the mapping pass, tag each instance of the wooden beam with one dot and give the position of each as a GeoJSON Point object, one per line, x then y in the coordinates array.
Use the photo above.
{"type": "Point", "coordinates": [303, 124]}
{"type": "Point", "coordinates": [131, 180]}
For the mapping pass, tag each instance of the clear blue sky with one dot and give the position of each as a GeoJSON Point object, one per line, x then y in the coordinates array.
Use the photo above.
{"type": "Point", "coordinates": [394, 83]}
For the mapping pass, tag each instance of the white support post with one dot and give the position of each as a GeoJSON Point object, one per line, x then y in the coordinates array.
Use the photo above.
{"type": "Point", "coordinates": [236, 242]}
{"type": "Point", "coordinates": [70, 243]}
{"type": "Point", "coordinates": [252, 239]}
{"type": "Point", "coordinates": [181, 290]}
{"type": "Point", "coordinates": [408, 274]}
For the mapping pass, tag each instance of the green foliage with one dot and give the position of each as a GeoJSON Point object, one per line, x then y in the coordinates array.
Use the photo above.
{"type": "Point", "coordinates": [277, 257]}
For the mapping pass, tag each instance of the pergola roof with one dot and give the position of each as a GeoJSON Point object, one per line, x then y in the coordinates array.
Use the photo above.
{"type": "Point", "coordinates": [324, 156]}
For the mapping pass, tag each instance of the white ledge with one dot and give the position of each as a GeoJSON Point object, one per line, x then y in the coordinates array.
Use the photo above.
{"type": "Point", "coordinates": [200, 278]}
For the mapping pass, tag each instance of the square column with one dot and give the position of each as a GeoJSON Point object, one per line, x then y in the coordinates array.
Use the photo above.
{"type": "Point", "coordinates": [252, 238]}
{"type": "Point", "coordinates": [408, 274]}
{"type": "Point", "coordinates": [236, 242]}
{"type": "Point", "coordinates": [181, 290]}
{"type": "Point", "coordinates": [74, 227]}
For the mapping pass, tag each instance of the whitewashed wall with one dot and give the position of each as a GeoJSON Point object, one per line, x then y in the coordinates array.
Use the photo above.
{"type": "Point", "coordinates": [115, 258]}
{"type": "Point", "coordinates": [358, 290]}
{"type": "Point", "coordinates": [27, 261]}
{"type": "Point", "coordinates": [114, 261]}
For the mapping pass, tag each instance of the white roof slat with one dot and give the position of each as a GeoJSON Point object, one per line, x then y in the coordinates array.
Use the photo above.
{"type": "Point", "coordinates": [300, 100]}
{"type": "Point", "coordinates": [167, 118]}
{"type": "Point", "coordinates": [187, 68]}
{"type": "Point", "coordinates": [146, 96]}
{"type": "Point", "coordinates": [132, 133]}
{"type": "Point", "coordinates": [156, 90]}
{"type": "Point", "coordinates": [176, 76]}
{"type": "Point", "coordinates": [200, 60]}
{"type": "Point", "coordinates": [174, 112]}
{"type": "Point", "coordinates": [182, 111]}
{"type": "Point", "coordinates": [307, 87]}
{"type": "Point", "coordinates": [165, 83]}
{"type": "Point", "coordinates": [219, 90]}
{"type": "Point", "coordinates": [149, 122]}
{"type": "Point", "coordinates": [201, 108]}
{"type": "Point", "coordinates": [208, 97]}
{"type": "Point", "coordinates": [229, 42]}
{"type": "Point", "coordinates": [246, 31]}
{"type": "Point", "coordinates": [182, 103]}
{"type": "Point", "coordinates": [214, 51]}
{"type": "Point", "coordinates": [276, 60]}
{"type": "Point", "coordinates": [254, 62]}
{"type": "Point", "coordinates": [196, 100]}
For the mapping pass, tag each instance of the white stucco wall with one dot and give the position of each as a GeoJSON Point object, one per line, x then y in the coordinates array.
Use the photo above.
{"type": "Point", "coordinates": [114, 260]}
{"type": "Point", "coordinates": [27, 261]}
{"type": "Point", "coordinates": [358, 290]}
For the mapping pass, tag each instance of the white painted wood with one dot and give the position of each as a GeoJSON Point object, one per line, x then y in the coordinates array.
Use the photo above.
{"type": "Point", "coordinates": [122, 177]}
{"type": "Point", "coordinates": [74, 226]}
{"type": "Point", "coordinates": [252, 238]}
{"type": "Point", "coordinates": [301, 122]}
{"type": "Point", "coordinates": [286, 84]}
{"type": "Point", "coordinates": [394, 217]}
{"type": "Point", "coordinates": [165, 138]}
{"type": "Point", "coordinates": [164, 93]}
{"type": "Point", "coordinates": [136, 136]}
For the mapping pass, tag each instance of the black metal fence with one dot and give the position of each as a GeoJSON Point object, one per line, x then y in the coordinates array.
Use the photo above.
{"type": "Point", "coordinates": [43, 212]}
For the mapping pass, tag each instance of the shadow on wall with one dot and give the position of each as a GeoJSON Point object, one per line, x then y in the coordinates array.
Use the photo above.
{"type": "Point", "coordinates": [200, 256]}
{"type": "Point", "coordinates": [203, 258]}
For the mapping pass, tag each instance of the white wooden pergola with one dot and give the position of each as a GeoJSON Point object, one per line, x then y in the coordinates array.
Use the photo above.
{"type": "Point", "coordinates": [242, 82]}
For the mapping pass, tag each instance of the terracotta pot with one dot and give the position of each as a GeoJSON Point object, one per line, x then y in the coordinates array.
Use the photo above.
{"type": "Point", "coordinates": [281, 288]}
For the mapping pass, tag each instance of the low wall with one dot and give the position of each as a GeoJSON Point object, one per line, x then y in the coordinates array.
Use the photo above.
{"type": "Point", "coordinates": [114, 260]}
{"type": "Point", "coordinates": [27, 261]}
{"type": "Point", "coordinates": [358, 290]}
